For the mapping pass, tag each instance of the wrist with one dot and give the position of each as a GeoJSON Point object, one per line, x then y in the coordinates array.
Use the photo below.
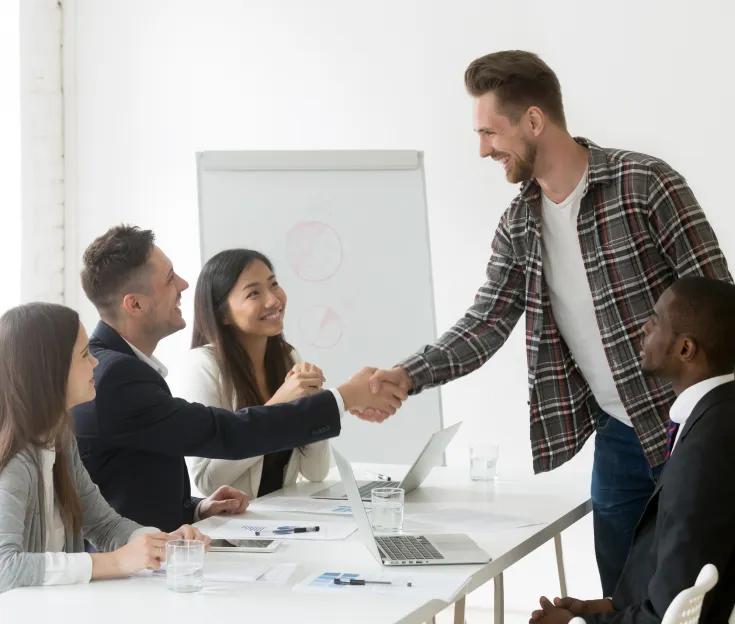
{"type": "Point", "coordinates": [107, 565]}
{"type": "Point", "coordinates": [601, 605]}
{"type": "Point", "coordinates": [406, 380]}
{"type": "Point", "coordinates": [348, 395]}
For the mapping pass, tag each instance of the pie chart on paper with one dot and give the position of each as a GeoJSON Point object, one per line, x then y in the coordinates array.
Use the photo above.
{"type": "Point", "coordinates": [321, 326]}
{"type": "Point", "coordinates": [314, 250]}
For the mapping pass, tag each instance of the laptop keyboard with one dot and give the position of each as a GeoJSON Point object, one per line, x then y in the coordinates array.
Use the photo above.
{"type": "Point", "coordinates": [368, 487]}
{"type": "Point", "coordinates": [401, 547]}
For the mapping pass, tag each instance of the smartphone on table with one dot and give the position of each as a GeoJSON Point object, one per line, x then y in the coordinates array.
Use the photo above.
{"type": "Point", "coordinates": [243, 545]}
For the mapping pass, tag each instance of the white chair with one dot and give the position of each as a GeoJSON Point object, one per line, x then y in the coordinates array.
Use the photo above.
{"type": "Point", "coordinates": [687, 605]}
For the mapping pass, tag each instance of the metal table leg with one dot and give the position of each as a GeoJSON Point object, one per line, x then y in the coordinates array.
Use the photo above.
{"type": "Point", "coordinates": [498, 602]}
{"type": "Point", "coordinates": [459, 611]}
{"type": "Point", "coordinates": [560, 565]}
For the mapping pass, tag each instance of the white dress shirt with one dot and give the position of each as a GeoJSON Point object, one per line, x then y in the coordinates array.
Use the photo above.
{"type": "Point", "coordinates": [151, 360]}
{"type": "Point", "coordinates": [685, 403]}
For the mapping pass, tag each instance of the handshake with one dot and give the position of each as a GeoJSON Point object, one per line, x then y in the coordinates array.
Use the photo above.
{"type": "Point", "coordinates": [374, 394]}
{"type": "Point", "coordinates": [371, 394]}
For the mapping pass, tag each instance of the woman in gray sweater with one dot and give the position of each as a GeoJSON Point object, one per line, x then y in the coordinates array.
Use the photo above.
{"type": "Point", "coordinates": [48, 504]}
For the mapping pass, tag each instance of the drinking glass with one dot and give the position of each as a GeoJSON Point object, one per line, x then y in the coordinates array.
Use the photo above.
{"type": "Point", "coordinates": [484, 462]}
{"type": "Point", "coordinates": [387, 509]}
{"type": "Point", "coordinates": [185, 565]}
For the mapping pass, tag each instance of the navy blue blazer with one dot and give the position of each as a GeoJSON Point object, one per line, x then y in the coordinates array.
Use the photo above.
{"type": "Point", "coordinates": [688, 521]}
{"type": "Point", "coordinates": [133, 437]}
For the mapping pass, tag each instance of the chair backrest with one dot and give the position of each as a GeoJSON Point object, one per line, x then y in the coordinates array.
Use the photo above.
{"type": "Point", "coordinates": [687, 606]}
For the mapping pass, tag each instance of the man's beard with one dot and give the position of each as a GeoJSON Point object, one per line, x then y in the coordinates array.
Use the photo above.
{"type": "Point", "coordinates": [522, 169]}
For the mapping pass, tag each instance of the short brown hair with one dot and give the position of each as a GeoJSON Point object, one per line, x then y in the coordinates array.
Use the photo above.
{"type": "Point", "coordinates": [519, 79]}
{"type": "Point", "coordinates": [112, 262]}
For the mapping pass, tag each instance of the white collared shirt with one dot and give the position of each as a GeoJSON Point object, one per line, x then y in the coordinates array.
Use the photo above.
{"type": "Point", "coordinates": [687, 400]}
{"type": "Point", "coordinates": [151, 360]}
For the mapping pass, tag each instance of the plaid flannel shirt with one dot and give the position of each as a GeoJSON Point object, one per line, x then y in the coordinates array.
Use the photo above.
{"type": "Point", "coordinates": [640, 228]}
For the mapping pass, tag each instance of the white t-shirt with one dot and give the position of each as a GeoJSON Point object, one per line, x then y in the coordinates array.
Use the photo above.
{"type": "Point", "coordinates": [571, 299]}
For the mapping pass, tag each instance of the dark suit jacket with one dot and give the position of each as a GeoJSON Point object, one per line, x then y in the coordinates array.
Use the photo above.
{"type": "Point", "coordinates": [689, 521]}
{"type": "Point", "coordinates": [133, 437]}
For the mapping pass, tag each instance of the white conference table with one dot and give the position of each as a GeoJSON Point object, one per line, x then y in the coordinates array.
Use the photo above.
{"type": "Point", "coordinates": [556, 499]}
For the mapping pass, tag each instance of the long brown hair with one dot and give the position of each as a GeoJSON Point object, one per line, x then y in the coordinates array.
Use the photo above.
{"type": "Point", "coordinates": [218, 277]}
{"type": "Point", "coordinates": [36, 346]}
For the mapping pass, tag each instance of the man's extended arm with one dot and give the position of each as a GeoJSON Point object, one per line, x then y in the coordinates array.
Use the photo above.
{"type": "Point", "coordinates": [478, 334]}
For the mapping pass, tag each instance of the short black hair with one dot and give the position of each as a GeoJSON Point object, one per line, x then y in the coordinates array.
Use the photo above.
{"type": "Point", "coordinates": [705, 309]}
{"type": "Point", "coordinates": [112, 262]}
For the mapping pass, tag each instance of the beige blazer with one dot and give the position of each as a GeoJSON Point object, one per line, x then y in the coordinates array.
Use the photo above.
{"type": "Point", "coordinates": [196, 377]}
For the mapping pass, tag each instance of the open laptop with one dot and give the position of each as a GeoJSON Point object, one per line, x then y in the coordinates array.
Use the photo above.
{"type": "Point", "coordinates": [397, 550]}
{"type": "Point", "coordinates": [430, 456]}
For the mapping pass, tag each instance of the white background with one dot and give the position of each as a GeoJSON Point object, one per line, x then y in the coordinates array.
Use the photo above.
{"type": "Point", "coordinates": [157, 81]}
{"type": "Point", "coordinates": [10, 154]}
{"type": "Point", "coordinates": [147, 84]}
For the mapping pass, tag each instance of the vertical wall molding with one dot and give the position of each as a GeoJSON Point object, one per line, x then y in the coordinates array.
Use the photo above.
{"type": "Point", "coordinates": [43, 215]}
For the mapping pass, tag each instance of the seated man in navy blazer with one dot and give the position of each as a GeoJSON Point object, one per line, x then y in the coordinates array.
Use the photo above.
{"type": "Point", "coordinates": [689, 520]}
{"type": "Point", "coordinates": [133, 437]}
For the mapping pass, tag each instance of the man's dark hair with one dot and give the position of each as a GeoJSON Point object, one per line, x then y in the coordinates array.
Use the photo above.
{"type": "Point", "coordinates": [519, 79]}
{"type": "Point", "coordinates": [705, 310]}
{"type": "Point", "coordinates": [114, 262]}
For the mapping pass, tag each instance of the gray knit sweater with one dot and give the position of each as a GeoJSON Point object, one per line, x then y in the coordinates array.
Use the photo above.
{"type": "Point", "coordinates": [22, 522]}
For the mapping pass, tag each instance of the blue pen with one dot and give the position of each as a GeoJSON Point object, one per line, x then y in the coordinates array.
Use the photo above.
{"type": "Point", "coordinates": [289, 530]}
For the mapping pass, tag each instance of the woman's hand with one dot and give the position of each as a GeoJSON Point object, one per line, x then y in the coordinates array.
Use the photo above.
{"type": "Point", "coordinates": [188, 532]}
{"type": "Point", "coordinates": [145, 551]}
{"type": "Point", "coordinates": [302, 380]}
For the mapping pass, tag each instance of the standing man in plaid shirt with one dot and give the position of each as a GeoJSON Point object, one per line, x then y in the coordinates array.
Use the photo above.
{"type": "Point", "coordinates": [585, 249]}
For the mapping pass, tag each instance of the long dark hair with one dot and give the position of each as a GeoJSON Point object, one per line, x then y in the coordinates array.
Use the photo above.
{"type": "Point", "coordinates": [218, 277]}
{"type": "Point", "coordinates": [36, 347]}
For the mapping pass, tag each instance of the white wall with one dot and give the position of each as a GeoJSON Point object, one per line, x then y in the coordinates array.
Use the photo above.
{"type": "Point", "coordinates": [157, 81]}
{"type": "Point", "coordinates": [43, 227]}
{"type": "Point", "coordinates": [10, 155]}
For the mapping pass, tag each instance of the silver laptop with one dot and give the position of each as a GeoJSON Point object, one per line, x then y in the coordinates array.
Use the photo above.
{"type": "Point", "coordinates": [398, 550]}
{"type": "Point", "coordinates": [430, 456]}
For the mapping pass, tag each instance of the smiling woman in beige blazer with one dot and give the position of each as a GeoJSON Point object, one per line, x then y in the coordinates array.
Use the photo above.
{"type": "Point", "coordinates": [240, 358]}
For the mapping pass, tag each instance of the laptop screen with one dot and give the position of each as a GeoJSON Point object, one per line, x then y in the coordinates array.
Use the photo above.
{"type": "Point", "coordinates": [364, 528]}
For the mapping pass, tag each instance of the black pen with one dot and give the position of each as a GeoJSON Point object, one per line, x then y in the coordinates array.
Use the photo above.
{"type": "Point", "coordinates": [356, 581]}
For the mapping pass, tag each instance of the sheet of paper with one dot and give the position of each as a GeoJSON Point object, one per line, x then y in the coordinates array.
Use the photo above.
{"type": "Point", "coordinates": [461, 520]}
{"type": "Point", "coordinates": [446, 587]}
{"type": "Point", "coordinates": [279, 574]}
{"type": "Point", "coordinates": [249, 527]}
{"type": "Point", "coordinates": [301, 505]}
{"type": "Point", "coordinates": [234, 570]}
{"type": "Point", "coordinates": [238, 571]}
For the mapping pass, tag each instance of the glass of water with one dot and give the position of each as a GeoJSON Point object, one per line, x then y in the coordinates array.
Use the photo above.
{"type": "Point", "coordinates": [185, 565]}
{"type": "Point", "coordinates": [387, 509]}
{"type": "Point", "coordinates": [484, 462]}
